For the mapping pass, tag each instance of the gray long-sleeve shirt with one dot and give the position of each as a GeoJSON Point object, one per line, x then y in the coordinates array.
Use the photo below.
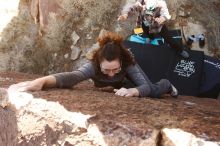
{"type": "Point", "coordinates": [87, 71]}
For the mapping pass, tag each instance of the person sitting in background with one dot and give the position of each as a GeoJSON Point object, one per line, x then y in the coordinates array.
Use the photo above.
{"type": "Point", "coordinates": [110, 65]}
{"type": "Point", "coordinates": [153, 14]}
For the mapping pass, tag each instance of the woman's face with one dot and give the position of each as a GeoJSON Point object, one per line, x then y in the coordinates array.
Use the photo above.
{"type": "Point", "coordinates": [110, 68]}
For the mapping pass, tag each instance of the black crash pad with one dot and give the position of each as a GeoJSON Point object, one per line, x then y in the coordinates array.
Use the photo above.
{"type": "Point", "coordinates": [163, 62]}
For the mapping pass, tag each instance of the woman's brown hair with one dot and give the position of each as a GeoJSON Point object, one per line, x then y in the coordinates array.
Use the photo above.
{"type": "Point", "coordinates": [111, 48]}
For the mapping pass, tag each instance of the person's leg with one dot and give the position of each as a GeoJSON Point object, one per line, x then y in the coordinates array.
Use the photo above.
{"type": "Point", "coordinates": [169, 39]}
{"type": "Point", "coordinates": [161, 87]}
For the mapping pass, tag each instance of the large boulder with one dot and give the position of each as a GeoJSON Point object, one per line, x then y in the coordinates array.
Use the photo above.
{"type": "Point", "coordinates": [86, 115]}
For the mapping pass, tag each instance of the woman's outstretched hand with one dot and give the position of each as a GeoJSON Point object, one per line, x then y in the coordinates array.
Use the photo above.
{"type": "Point", "coordinates": [34, 85]}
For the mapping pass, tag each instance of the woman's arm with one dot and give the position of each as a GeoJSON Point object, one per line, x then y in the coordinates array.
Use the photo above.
{"type": "Point", "coordinates": [69, 79]}
{"type": "Point", "coordinates": [139, 78]}
{"type": "Point", "coordinates": [61, 80]}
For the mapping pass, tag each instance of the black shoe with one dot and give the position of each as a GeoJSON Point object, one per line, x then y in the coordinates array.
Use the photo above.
{"type": "Point", "coordinates": [190, 40]}
{"type": "Point", "coordinates": [201, 38]}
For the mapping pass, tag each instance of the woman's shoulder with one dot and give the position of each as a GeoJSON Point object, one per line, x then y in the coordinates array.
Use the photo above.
{"type": "Point", "coordinates": [88, 66]}
{"type": "Point", "coordinates": [89, 63]}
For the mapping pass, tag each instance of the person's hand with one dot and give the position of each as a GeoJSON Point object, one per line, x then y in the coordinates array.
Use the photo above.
{"type": "Point", "coordinates": [126, 92]}
{"type": "Point", "coordinates": [160, 20]}
{"type": "Point", "coordinates": [122, 92]}
{"type": "Point", "coordinates": [139, 6]}
{"type": "Point", "coordinates": [122, 17]}
{"type": "Point", "coordinates": [34, 85]}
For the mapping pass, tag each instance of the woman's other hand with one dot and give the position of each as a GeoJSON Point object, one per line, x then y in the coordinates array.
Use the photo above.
{"type": "Point", "coordinates": [126, 92]}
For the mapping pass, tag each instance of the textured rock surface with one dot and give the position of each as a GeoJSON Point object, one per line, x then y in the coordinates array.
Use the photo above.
{"type": "Point", "coordinates": [91, 116]}
{"type": "Point", "coordinates": [3, 98]}
{"type": "Point", "coordinates": [8, 127]}
{"type": "Point", "coordinates": [177, 137]}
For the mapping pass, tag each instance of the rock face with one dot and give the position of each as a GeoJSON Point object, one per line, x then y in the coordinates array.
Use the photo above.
{"type": "Point", "coordinates": [48, 123]}
{"type": "Point", "coordinates": [86, 115]}
{"type": "Point", "coordinates": [177, 137]}
{"type": "Point", "coordinates": [8, 127]}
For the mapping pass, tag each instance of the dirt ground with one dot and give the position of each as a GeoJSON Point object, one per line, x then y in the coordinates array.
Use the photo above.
{"type": "Point", "coordinates": [200, 116]}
